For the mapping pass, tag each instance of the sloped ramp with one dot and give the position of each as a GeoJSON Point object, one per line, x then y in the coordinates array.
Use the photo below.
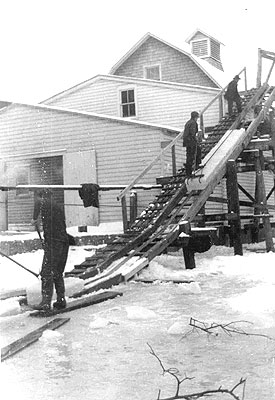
{"type": "Point", "coordinates": [187, 196]}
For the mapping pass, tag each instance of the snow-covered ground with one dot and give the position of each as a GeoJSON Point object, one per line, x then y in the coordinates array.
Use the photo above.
{"type": "Point", "coordinates": [103, 353]}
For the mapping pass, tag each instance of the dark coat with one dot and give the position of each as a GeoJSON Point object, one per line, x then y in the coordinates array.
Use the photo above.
{"type": "Point", "coordinates": [53, 220]}
{"type": "Point", "coordinates": [190, 132]}
{"type": "Point", "coordinates": [232, 91]}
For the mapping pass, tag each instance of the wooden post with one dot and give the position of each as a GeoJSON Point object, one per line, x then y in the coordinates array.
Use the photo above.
{"type": "Point", "coordinates": [234, 206]}
{"type": "Point", "coordinates": [202, 128]}
{"type": "Point", "coordinates": [201, 223]}
{"type": "Point", "coordinates": [174, 163]}
{"type": "Point", "coordinates": [221, 108]}
{"type": "Point", "coordinates": [133, 206]}
{"type": "Point", "coordinates": [245, 80]}
{"type": "Point", "coordinates": [259, 72]}
{"type": "Point", "coordinates": [188, 254]}
{"type": "Point", "coordinates": [270, 71]}
{"type": "Point", "coordinates": [261, 206]}
{"type": "Point", "coordinates": [124, 213]}
{"type": "Point", "coordinates": [189, 258]}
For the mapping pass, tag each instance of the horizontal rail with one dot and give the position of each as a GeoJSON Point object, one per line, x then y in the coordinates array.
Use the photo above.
{"type": "Point", "coordinates": [76, 187]}
{"type": "Point", "coordinates": [146, 169]}
{"type": "Point", "coordinates": [218, 94]}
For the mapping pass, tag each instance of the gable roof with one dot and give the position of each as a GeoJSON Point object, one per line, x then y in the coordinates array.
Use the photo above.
{"type": "Point", "coordinates": [213, 73]}
{"type": "Point", "coordinates": [188, 40]}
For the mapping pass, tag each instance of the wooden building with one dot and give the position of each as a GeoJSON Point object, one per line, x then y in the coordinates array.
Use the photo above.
{"type": "Point", "coordinates": [106, 130]}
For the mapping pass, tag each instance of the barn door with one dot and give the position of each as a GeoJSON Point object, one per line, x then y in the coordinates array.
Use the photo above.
{"type": "Point", "coordinates": [78, 168]}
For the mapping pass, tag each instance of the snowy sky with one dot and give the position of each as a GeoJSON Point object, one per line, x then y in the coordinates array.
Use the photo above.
{"type": "Point", "coordinates": [49, 46]}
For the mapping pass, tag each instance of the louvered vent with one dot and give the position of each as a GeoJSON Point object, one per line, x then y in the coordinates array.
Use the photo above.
{"type": "Point", "coordinates": [200, 48]}
{"type": "Point", "coordinates": [215, 50]}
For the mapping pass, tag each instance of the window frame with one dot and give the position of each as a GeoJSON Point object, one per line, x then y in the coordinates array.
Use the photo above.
{"type": "Point", "coordinates": [23, 192]}
{"type": "Point", "coordinates": [145, 69]}
{"type": "Point", "coordinates": [120, 104]}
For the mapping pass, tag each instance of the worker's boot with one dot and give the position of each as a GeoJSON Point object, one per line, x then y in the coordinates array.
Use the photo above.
{"type": "Point", "coordinates": [60, 302]}
{"type": "Point", "coordinates": [47, 293]}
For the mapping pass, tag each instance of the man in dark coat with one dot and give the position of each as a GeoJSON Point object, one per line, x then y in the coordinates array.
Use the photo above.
{"type": "Point", "coordinates": [56, 246]}
{"type": "Point", "coordinates": [232, 95]}
{"type": "Point", "coordinates": [192, 144]}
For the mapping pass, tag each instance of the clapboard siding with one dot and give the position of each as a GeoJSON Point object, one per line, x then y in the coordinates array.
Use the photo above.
{"type": "Point", "coordinates": [156, 103]}
{"type": "Point", "coordinates": [122, 149]}
{"type": "Point", "coordinates": [175, 66]}
{"type": "Point", "coordinates": [47, 170]}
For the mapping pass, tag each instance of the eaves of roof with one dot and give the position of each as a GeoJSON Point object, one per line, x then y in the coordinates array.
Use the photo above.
{"type": "Point", "coordinates": [167, 129]}
{"type": "Point", "coordinates": [131, 80]}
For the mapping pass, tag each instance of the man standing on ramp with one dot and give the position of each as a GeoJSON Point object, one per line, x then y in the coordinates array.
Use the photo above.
{"type": "Point", "coordinates": [192, 144]}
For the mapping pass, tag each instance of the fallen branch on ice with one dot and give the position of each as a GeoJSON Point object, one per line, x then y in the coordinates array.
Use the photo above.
{"type": "Point", "coordinates": [213, 328]}
{"type": "Point", "coordinates": [174, 372]}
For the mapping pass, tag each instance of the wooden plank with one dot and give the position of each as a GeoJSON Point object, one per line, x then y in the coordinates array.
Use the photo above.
{"type": "Point", "coordinates": [261, 198]}
{"type": "Point", "coordinates": [80, 303]}
{"type": "Point", "coordinates": [131, 270]}
{"type": "Point", "coordinates": [178, 281]}
{"type": "Point", "coordinates": [124, 213]}
{"type": "Point", "coordinates": [77, 187]}
{"type": "Point", "coordinates": [30, 338]}
{"type": "Point", "coordinates": [234, 206]}
{"type": "Point", "coordinates": [13, 293]}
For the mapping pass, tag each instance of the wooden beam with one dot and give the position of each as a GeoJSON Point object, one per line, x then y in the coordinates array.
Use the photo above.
{"type": "Point", "coordinates": [270, 71]}
{"type": "Point", "coordinates": [30, 338]}
{"type": "Point", "coordinates": [174, 163]}
{"type": "Point", "coordinates": [245, 192]}
{"type": "Point", "coordinates": [133, 206]}
{"type": "Point", "coordinates": [76, 187]}
{"type": "Point", "coordinates": [261, 199]}
{"type": "Point", "coordinates": [124, 213]}
{"type": "Point", "coordinates": [259, 69]}
{"type": "Point", "coordinates": [234, 206]}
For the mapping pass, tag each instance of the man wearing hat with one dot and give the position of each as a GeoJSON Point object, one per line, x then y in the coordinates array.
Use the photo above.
{"type": "Point", "coordinates": [56, 247]}
{"type": "Point", "coordinates": [191, 142]}
{"type": "Point", "coordinates": [232, 95]}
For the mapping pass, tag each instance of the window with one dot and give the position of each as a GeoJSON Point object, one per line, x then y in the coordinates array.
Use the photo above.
{"type": "Point", "coordinates": [23, 178]}
{"type": "Point", "coordinates": [152, 72]}
{"type": "Point", "coordinates": [128, 106]}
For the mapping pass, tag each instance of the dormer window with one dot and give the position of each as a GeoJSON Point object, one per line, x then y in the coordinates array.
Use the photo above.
{"type": "Point", "coordinates": [152, 72]}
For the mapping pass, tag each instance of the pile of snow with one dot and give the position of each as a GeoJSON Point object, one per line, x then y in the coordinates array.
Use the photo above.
{"type": "Point", "coordinates": [99, 323]}
{"type": "Point", "coordinates": [166, 267]}
{"type": "Point", "coordinates": [139, 313]}
{"type": "Point", "coordinates": [51, 336]}
{"type": "Point", "coordinates": [190, 288]}
{"type": "Point", "coordinates": [9, 307]}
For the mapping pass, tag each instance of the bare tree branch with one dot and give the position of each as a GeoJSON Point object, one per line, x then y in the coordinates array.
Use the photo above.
{"type": "Point", "coordinates": [213, 328]}
{"type": "Point", "coordinates": [174, 372]}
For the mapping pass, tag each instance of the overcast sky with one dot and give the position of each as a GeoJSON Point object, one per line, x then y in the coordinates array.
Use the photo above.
{"type": "Point", "coordinates": [48, 46]}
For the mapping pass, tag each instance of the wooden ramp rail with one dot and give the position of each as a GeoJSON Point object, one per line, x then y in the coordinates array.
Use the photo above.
{"type": "Point", "coordinates": [217, 174]}
{"type": "Point", "coordinates": [218, 97]}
